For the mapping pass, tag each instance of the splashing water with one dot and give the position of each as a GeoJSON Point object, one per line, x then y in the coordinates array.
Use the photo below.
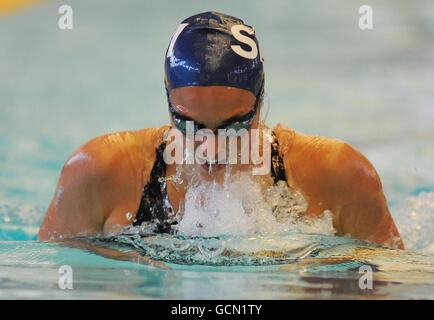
{"type": "Point", "coordinates": [415, 219]}
{"type": "Point", "coordinates": [242, 221]}
{"type": "Point", "coordinates": [239, 206]}
{"type": "Point", "coordinates": [242, 204]}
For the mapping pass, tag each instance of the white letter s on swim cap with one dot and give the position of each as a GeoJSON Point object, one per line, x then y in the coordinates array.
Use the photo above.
{"type": "Point", "coordinates": [236, 32]}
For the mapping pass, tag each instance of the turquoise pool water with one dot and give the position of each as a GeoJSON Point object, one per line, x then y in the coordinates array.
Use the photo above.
{"type": "Point", "coordinates": [372, 89]}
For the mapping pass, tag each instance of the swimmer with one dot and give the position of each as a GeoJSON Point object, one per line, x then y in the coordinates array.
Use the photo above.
{"type": "Point", "coordinates": [214, 77]}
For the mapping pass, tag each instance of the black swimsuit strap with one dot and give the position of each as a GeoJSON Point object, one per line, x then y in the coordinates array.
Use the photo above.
{"type": "Point", "coordinates": [277, 166]}
{"type": "Point", "coordinates": [155, 206]}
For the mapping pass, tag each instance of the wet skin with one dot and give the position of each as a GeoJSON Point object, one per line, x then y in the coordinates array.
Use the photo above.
{"type": "Point", "coordinates": [103, 179]}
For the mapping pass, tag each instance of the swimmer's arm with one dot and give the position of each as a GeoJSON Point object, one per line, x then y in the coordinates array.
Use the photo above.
{"type": "Point", "coordinates": [100, 183]}
{"type": "Point", "coordinates": [77, 207]}
{"type": "Point", "coordinates": [361, 207]}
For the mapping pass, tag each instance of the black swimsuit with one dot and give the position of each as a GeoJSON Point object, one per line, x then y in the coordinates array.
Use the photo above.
{"type": "Point", "coordinates": [155, 206]}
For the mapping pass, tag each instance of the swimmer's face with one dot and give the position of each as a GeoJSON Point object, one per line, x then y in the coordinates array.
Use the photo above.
{"type": "Point", "coordinates": [213, 107]}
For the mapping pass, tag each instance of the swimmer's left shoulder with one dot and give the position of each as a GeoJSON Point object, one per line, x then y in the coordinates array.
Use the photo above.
{"type": "Point", "coordinates": [306, 146]}
{"type": "Point", "coordinates": [317, 158]}
{"type": "Point", "coordinates": [145, 139]}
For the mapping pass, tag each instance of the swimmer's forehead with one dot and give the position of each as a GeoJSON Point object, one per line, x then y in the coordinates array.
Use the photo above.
{"type": "Point", "coordinates": [217, 103]}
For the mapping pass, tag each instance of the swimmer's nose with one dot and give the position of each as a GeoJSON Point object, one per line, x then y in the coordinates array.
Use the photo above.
{"type": "Point", "coordinates": [212, 141]}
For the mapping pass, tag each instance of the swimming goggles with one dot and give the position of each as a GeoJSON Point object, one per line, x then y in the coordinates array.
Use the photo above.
{"type": "Point", "coordinates": [237, 123]}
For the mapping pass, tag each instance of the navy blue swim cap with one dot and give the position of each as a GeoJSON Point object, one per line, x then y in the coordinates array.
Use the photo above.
{"type": "Point", "coordinates": [214, 49]}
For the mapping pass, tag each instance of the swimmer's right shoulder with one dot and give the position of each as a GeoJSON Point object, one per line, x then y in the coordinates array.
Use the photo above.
{"type": "Point", "coordinates": [105, 174]}
{"type": "Point", "coordinates": [125, 146]}
{"type": "Point", "coordinates": [121, 158]}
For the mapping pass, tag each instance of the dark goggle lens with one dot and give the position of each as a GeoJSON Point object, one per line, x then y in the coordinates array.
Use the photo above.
{"type": "Point", "coordinates": [244, 122]}
{"type": "Point", "coordinates": [181, 123]}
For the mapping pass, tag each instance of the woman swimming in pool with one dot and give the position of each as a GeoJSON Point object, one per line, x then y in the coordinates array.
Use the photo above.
{"type": "Point", "coordinates": [214, 78]}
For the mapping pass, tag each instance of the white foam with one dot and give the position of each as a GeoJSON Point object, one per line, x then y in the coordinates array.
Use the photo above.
{"type": "Point", "coordinates": [240, 206]}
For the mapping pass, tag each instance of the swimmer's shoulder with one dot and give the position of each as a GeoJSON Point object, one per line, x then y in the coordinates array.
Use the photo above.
{"type": "Point", "coordinates": [101, 181]}
{"type": "Point", "coordinates": [291, 140]}
{"type": "Point", "coordinates": [298, 148]}
{"type": "Point", "coordinates": [333, 175]}
{"type": "Point", "coordinates": [322, 161]}
{"type": "Point", "coordinates": [115, 153]}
